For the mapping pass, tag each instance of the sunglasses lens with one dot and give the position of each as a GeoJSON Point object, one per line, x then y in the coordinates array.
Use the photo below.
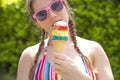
{"type": "Point", "coordinates": [42, 15]}
{"type": "Point", "coordinates": [57, 6]}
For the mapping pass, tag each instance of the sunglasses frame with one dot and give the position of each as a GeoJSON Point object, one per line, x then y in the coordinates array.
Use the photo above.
{"type": "Point", "coordinates": [46, 9]}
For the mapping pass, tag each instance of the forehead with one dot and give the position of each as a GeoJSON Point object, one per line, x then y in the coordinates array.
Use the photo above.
{"type": "Point", "coordinates": [39, 4]}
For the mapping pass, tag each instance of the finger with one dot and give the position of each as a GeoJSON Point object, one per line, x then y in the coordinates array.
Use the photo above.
{"type": "Point", "coordinates": [58, 61]}
{"type": "Point", "coordinates": [57, 69]}
{"type": "Point", "coordinates": [60, 65]}
{"type": "Point", "coordinates": [59, 56]}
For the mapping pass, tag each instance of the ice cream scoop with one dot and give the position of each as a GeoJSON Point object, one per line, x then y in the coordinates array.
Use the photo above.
{"type": "Point", "coordinates": [60, 36]}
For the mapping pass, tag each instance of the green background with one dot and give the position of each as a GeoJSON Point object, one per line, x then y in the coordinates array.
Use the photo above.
{"type": "Point", "coordinates": [97, 20]}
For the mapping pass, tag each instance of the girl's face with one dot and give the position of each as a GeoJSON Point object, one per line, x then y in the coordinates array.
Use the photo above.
{"type": "Point", "coordinates": [47, 17]}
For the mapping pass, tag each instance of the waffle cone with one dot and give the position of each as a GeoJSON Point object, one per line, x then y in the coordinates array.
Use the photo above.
{"type": "Point", "coordinates": [59, 45]}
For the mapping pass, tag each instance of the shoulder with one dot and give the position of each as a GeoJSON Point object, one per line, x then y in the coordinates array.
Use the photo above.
{"type": "Point", "coordinates": [88, 44]}
{"type": "Point", "coordinates": [96, 54]}
{"type": "Point", "coordinates": [26, 62]}
{"type": "Point", "coordinates": [91, 49]}
{"type": "Point", "coordinates": [28, 54]}
{"type": "Point", "coordinates": [86, 41]}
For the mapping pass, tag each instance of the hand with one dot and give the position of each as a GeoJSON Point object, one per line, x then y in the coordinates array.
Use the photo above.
{"type": "Point", "coordinates": [65, 66]}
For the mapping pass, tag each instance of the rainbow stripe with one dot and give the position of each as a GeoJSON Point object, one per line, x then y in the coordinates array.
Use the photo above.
{"type": "Point", "coordinates": [61, 28]}
{"type": "Point", "coordinates": [59, 38]}
{"type": "Point", "coordinates": [60, 33]}
{"type": "Point", "coordinates": [45, 71]}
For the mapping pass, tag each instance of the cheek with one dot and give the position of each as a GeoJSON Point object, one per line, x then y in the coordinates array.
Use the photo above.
{"type": "Point", "coordinates": [65, 15]}
{"type": "Point", "coordinates": [40, 25]}
{"type": "Point", "coordinates": [46, 26]}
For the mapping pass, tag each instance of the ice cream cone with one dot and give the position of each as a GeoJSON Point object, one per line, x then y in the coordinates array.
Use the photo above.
{"type": "Point", "coordinates": [59, 45]}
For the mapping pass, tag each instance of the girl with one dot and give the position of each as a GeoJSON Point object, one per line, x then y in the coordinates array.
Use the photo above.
{"type": "Point", "coordinates": [83, 59]}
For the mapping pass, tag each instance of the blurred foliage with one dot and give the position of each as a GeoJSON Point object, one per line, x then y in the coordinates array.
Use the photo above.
{"type": "Point", "coordinates": [97, 20]}
{"type": "Point", "coordinates": [16, 33]}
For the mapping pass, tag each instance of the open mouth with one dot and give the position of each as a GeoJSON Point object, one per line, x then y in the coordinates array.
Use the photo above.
{"type": "Point", "coordinates": [56, 21]}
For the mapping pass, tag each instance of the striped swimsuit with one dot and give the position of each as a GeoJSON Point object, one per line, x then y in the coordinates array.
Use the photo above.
{"type": "Point", "coordinates": [45, 71]}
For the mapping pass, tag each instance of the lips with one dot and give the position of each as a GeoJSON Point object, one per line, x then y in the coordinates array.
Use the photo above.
{"type": "Point", "coordinates": [56, 21]}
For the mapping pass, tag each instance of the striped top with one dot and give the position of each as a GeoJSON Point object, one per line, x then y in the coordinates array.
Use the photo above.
{"type": "Point", "coordinates": [45, 71]}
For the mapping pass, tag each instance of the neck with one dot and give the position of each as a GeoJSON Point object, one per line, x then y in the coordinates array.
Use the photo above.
{"type": "Point", "coordinates": [50, 43]}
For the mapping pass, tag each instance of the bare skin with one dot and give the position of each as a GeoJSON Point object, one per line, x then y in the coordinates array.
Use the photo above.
{"type": "Point", "coordinates": [70, 60]}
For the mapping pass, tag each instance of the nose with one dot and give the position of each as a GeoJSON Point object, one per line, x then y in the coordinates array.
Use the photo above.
{"type": "Point", "coordinates": [52, 15]}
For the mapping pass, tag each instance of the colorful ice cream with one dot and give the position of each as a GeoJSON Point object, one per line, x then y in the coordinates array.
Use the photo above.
{"type": "Point", "coordinates": [60, 36]}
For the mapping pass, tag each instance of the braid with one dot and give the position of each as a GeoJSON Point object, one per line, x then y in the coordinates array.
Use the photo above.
{"type": "Point", "coordinates": [32, 71]}
{"type": "Point", "coordinates": [73, 37]}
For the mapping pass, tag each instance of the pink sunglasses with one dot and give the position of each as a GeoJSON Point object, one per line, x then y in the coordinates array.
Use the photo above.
{"type": "Point", "coordinates": [42, 15]}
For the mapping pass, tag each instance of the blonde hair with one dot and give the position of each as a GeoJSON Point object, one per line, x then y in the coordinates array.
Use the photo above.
{"type": "Point", "coordinates": [72, 34]}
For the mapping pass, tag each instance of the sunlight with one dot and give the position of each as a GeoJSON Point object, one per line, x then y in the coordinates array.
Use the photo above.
{"type": "Point", "coordinates": [8, 2]}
